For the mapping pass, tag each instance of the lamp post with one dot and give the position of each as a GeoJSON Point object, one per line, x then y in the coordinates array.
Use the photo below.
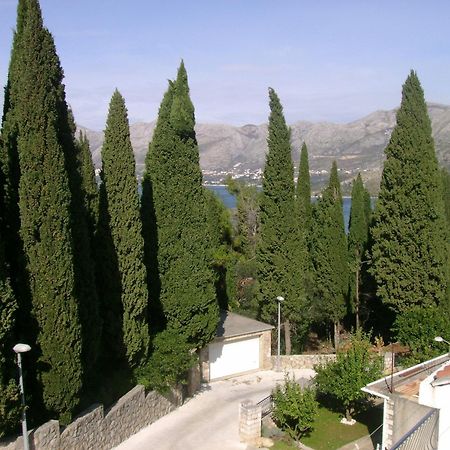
{"type": "Point", "coordinates": [441, 339]}
{"type": "Point", "coordinates": [19, 349]}
{"type": "Point", "coordinates": [279, 300]}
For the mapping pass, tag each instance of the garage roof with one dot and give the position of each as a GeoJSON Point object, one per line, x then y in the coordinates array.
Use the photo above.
{"type": "Point", "coordinates": [232, 324]}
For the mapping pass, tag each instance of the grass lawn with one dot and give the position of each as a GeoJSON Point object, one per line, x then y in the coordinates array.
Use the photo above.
{"type": "Point", "coordinates": [330, 434]}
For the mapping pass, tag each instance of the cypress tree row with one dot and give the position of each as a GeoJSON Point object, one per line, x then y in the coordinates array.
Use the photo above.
{"type": "Point", "coordinates": [173, 173]}
{"type": "Point", "coordinates": [121, 196]}
{"type": "Point", "coordinates": [358, 236]}
{"type": "Point", "coordinates": [329, 255]}
{"type": "Point", "coordinates": [45, 212]}
{"type": "Point", "coordinates": [409, 251]}
{"type": "Point", "coordinates": [279, 253]}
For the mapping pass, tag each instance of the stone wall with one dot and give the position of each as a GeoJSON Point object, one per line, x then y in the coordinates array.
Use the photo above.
{"type": "Point", "coordinates": [302, 361]}
{"type": "Point", "coordinates": [95, 429]}
{"type": "Point", "coordinates": [266, 350]}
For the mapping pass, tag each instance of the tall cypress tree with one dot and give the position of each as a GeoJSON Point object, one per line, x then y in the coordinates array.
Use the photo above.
{"type": "Point", "coordinates": [186, 279]}
{"type": "Point", "coordinates": [409, 251]}
{"type": "Point", "coordinates": [304, 192]}
{"type": "Point", "coordinates": [88, 184]}
{"type": "Point", "coordinates": [9, 160]}
{"type": "Point", "coordinates": [45, 212]}
{"type": "Point", "coordinates": [120, 189]}
{"type": "Point", "coordinates": [162, 140]}
{"type": "Point", "coordinates": [279, 253]}
{"type": "Point", "coordinates": [358, 236]}
{"type": "Point", "coordinates": [329, 254]}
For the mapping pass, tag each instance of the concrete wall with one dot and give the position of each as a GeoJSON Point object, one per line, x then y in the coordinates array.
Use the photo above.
{"type": "Point", "coordinates": [302, 361]}
{"type": "Point", "coordinates": [93, 429]}
{"type": "Point", "coordinates": [406, 414]}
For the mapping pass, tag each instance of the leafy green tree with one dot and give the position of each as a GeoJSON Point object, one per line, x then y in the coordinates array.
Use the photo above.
{"type": "Point", "coordinates": [409, 255]}
{"type": "Point", "coordinates": [281, 249]}
{"type": "Point", "coordinates": [358, 237]}
{"type": "Point", "coordinates": [178, 219]}
{"type": "Point", "coordinates": [220, 232]}
{"type": "Point", "coordinates": [121, 195]}
{"type": "Point", "coordinates": [352, 370]}
{"type": "Point", "coordinates": [295, 408]}
{"type": "Point", "coordinates": [45, 203]}
{"type": "Point", "coordinates": [329, 255]}
{"type": "Point", "coordinates": [242, 284]}
{"type": "Point", "coordinates": [247, 216]}
{"type": "Point", "coordinates": [417, 327]}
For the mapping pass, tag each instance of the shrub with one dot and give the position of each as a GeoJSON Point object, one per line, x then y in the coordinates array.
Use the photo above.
{"type": "Point", "coordinates": [169, 362]}
{"type": "Point", "coordinates": [295, 408]}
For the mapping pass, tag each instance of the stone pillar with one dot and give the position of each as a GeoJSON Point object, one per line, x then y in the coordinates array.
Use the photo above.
{"type": "Point", "coordinates": [249, 422]}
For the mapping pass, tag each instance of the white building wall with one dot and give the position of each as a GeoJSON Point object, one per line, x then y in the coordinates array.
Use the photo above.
{"type": "Point", "coordinates": [438, 397]}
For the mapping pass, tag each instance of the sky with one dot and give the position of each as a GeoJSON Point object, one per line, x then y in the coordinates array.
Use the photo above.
{"type": "Point", "coordinates": [328, 60]}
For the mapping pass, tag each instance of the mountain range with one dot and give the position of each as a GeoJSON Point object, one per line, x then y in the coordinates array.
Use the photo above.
{"type": "Point", "coordinates": [356, 146]}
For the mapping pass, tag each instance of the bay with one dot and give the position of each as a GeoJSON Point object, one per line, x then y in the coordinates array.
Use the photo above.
{"type": "Point", "coordinates": [230, 201]}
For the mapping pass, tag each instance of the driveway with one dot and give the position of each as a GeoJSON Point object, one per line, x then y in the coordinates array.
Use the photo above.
{"type": "Point", "coordinates": [209, 421]}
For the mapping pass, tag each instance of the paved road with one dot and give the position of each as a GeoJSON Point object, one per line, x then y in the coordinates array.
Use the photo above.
{"type": "Point", "coordinates": [208, 421]}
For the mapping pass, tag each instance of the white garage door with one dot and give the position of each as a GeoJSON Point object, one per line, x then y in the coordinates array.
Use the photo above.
{"type": "Point", "coordinates": [233, 357]}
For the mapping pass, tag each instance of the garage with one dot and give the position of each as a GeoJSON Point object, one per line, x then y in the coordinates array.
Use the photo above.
{"type": "Point", "coordinates": [227, 358]}
{"type": "Point", "coordinates": [241, 345]}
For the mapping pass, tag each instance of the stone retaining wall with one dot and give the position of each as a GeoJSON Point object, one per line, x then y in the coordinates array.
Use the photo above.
{"type": "Point", "coordinates": [302, 361]}
{"type": "Point", "coordinates": [93, 429]}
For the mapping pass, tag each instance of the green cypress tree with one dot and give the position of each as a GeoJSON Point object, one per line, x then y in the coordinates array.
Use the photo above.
{"type": "Point", "coordinates": [279, 253]}
{"type": "Point", "coordinates": [409, 251]}
{"type": "Point", "coordinates": [120, 187]}
{"type": "Point", "coordinates": [186, 279]}
{"type": "Point", "coordinates": [329, 254]}
{"type": "Point", "coordinates": [9, 161]}
{"type": "Point", "coordinates": [45, 212]}
{"type": "Point", "coordinates": [304, 192]}
{"type": "Point", "coordinates": [162, 139]}
{"type": "Point", "coordinates": [358, 236]}
{"type": "Point", "coordinates": [445, 174]}
{"type": "Point", "coordinates": [89, 184]}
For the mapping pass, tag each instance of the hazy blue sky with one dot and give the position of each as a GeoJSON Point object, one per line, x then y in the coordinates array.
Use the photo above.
{"type": "Point", "coordinates": [328, 60]}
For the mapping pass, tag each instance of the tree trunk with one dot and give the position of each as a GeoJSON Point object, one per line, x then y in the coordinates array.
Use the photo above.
{"type": "Point", "coordinates": [348, 413]}
{"type": "Point", "coordinates": [336, 335]}
{"type": "Point", "coordinates": [287, 337]}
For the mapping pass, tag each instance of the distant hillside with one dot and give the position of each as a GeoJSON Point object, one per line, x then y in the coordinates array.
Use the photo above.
{"type": "Point", "coordinates": [356, 146]}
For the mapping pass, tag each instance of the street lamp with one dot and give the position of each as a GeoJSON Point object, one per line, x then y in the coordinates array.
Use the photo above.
{"type": "Point", "coordinates": [441, 339]}
{"type": "Point", "coordinates": [279, 300]}
{"type": "Point", "coordinates": [19, 349]}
